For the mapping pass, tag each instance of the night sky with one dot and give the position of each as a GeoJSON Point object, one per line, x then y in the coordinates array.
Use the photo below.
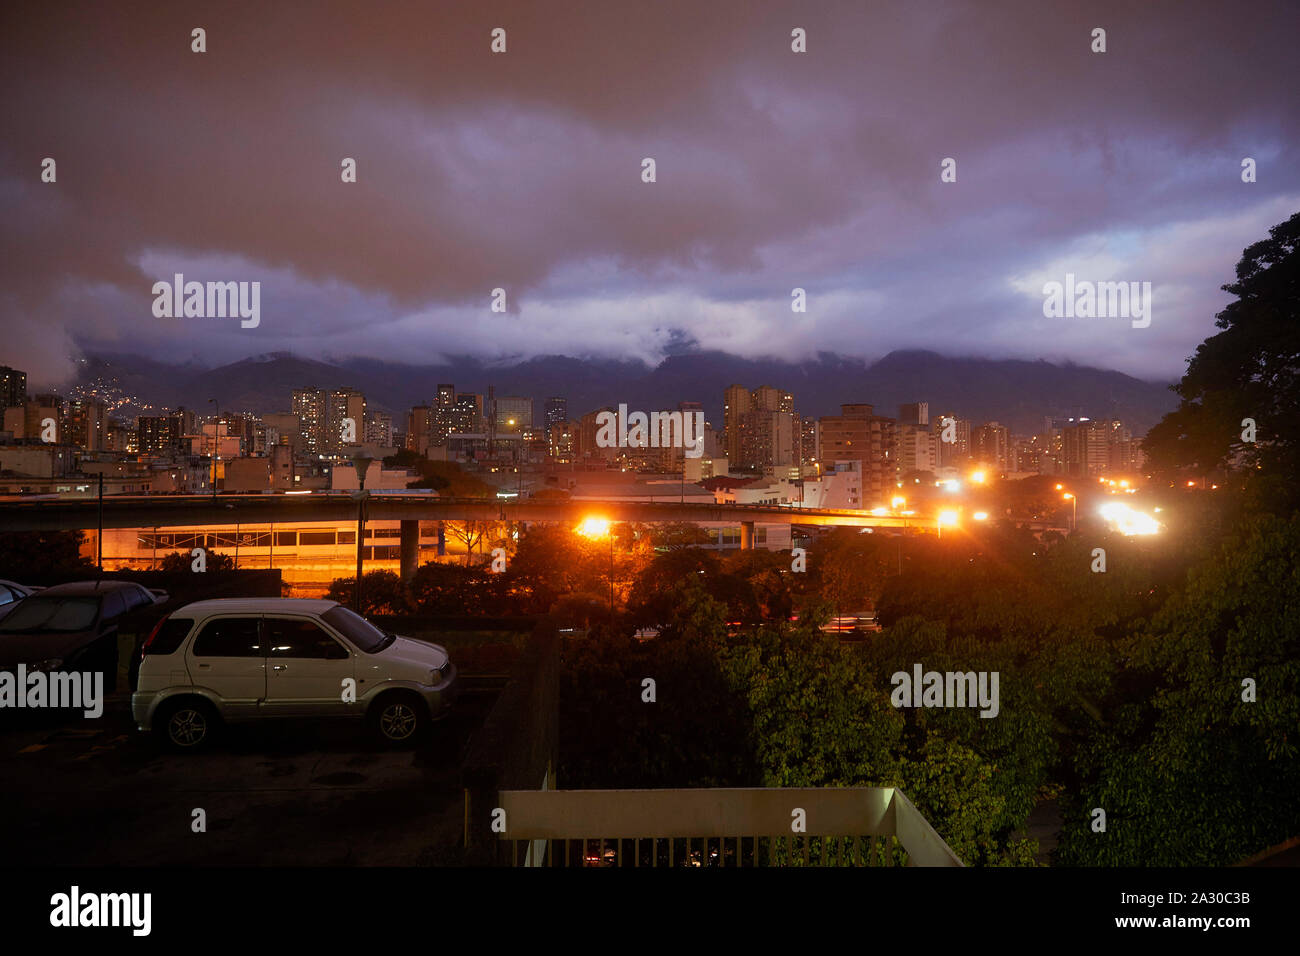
{"type": "Point", "coordinates": [523, 170]}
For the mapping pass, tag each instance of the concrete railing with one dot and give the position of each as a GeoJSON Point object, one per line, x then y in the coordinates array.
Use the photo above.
{"type": "Point", "coordinates": [839, 826]}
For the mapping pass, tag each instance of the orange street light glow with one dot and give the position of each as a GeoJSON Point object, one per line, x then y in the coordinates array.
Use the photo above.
{"type": "Point", "coordinates": [947, 517]}
{"type": "Point", "coordinates": [594, 527]}
{"type": "Point", "coordinates": [897, 501]}
{"type": "Point", "coordinates": [977, 477]}
{"type": "Point", "coordinates": [1128, 520]}
{"type": "Point", "coordinates": [980, 516]}
{"type": "Point", "coordinates": [1059, 487]}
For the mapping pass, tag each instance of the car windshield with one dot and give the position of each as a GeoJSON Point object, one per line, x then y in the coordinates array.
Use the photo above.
{"type": "Point", "coordinates": [357, 629]}
{"type": "Point", "coordinates": [51, 614]}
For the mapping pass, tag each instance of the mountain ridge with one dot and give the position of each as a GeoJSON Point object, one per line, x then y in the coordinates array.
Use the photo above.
{"type": "Point", "coordinates": [1018, 393]}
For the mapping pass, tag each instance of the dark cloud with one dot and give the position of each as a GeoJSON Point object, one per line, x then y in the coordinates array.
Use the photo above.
{"type": "Point", "coordinates": [775, 170]}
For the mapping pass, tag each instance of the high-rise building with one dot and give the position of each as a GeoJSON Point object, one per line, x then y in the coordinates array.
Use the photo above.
{"type": "Point", "coordinates": [808, 449]}
{"type": "Point", "coordinates": [954, 453]}
{"type": "Point", "coordinates": [761, 427]}
{"type": "Point", "coordinates": [562, 441]}
{"type": "Point", "coordinates": [736, 402]}
{"type": "Point", "coordinates": [556, 412]}
{"type": "Point", "coordinates": [379, 429]}
{"type": "Point", "coordinates": [347, 419]}
{"type": "Point", "coordinates": [86, 424]}
{"type": "Point", "coordinates": [991, 445]}
{"type": "Point", "coordinates": [587, 431]}
{"type": "Point", "coordinates": [469, 418]}
{"type": "Point", "coordinates": [163, 435]}
{"type": "Point", "coordinates": [768, 439]}
{"type": "Point", "coordinates": [914, 413]}
{"type": "Point", "coordinates": [916, 448]}
{"type": "Point", "coordinates": [13, 387]}
{"type": "Point", "coordinates": [38, 412]}
{"type": "Point", "coordinates": [858, 434]}
{"type": "Point", "coordinates": [311, 406]}
{"type": "Point", "coordinates": [419, 429]}
{"type": "Point", "coordinates": [1085, 447]}
{"type": "Point", "coordinates": [324, 417]}
{"type": "Point", "coordinates": [513, 413]}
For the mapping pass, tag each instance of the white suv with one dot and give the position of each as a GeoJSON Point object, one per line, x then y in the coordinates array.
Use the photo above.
{"type": "Point", "coordinates": [237, 659]}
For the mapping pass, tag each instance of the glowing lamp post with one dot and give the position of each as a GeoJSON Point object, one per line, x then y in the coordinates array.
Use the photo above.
{"type": "Point", "coordinates": [361, 463]}
{"type": "Point", "coordinates": [596, 528]}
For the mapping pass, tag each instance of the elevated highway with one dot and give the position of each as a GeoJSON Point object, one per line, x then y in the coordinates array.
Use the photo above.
{"type": "Point", "coordinates": [164, 511]}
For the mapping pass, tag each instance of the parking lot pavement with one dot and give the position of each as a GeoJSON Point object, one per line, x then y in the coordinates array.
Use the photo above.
{"type": "Point", "coordinates": [97, 792]}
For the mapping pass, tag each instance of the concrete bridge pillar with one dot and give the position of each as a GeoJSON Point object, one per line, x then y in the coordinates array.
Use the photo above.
{"type": "Point", "coordinates": [747, 536]}
{"type": "Point", "coordinates": [410, 547]}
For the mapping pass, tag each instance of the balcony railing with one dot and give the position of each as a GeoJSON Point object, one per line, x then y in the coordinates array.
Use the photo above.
{"type": "Point", "coordinates": [831, 826]}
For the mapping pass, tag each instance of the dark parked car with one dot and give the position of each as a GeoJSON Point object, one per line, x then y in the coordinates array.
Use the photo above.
{"type": "Point", "coordinates": [72, 627]}
{"type": "Point", "coordinates": [11, 593]}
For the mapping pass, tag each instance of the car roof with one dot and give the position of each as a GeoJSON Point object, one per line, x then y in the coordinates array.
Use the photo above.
{"type": "Point", "coordinates": [255, 605]}
{"type": "Point", "coordinates": [88, 587]}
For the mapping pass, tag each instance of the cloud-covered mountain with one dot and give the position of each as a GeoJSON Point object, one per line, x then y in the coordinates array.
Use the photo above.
{"type": "Point", "coordinates": [1017, 393]}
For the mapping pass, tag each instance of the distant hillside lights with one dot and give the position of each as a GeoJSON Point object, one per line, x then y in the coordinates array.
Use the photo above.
{"type": "Point", "coordinates": [213, 300]}
{"type": "Point", "coordinates": [654, 430]}
{"type": "Point", "coordinates": [1098, 300]}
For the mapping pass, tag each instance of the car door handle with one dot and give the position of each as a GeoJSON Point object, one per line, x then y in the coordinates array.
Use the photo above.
{"type": "Point", "coordinates": [279, 667]}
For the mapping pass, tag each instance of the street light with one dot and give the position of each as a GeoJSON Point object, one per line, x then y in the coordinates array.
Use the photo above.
{"type": "Point", "coordinates": [215, 429]}
{"type": "Point", "coordinates": [361, 462]}
{"type": "Point", "coordinates": [1074, 510]}
{"type": "Point", "coordinates": [595, 528]}
{"type": "Point", "coordinates": [946, 517]}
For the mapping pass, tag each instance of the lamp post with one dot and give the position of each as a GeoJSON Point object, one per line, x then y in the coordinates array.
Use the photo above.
{"type": "Point", "coordinates": [215, 429]}
{"type": "Point", "coordinates": [593, 528]}
{"type": "Point", "coordinates": [361, 462]}
{"type": "Point", "coordinates": [1074, 510]}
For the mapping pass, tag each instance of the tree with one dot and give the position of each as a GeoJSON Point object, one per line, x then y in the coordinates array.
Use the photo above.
{"type": "Point", "coordinates": [184, 561]}
{"type": "Point", "coordinates": [551, 561]}
{"type": "Point", "coordinates": [439, 588]}
{"type": "Point", "coordinates": [473, 534]}
{"type": "Point", "coordinates": [1249, 370]}
{"type": "Point", "coordinates": [1193, 765]}
{"type": "Point", "coordinates": [27, 553]}
{"type": "Point", "coordinates": [675, 535]}
{"type": "Point", "coordinates": [382, 592]}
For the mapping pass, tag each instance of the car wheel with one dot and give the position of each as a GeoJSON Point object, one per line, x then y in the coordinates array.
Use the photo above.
{"type": "Point", "coordinates": [398, 719]}
{"type": "Point", "coordinates": [186, 725]}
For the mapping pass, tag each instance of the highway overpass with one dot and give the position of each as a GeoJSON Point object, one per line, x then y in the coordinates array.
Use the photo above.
{"type": "Point", "coordinates": [163, 511]}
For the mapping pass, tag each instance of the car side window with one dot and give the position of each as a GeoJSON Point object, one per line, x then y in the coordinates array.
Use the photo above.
{"type": "Point", "coordinates": [296, 637]}
{"type": "Point", "coordinates": [7, 596]}
{"type": "Point", "coordinates": [229, 637]}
